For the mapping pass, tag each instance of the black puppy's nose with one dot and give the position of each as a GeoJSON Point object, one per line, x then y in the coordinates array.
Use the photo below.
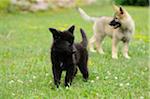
{"type": "Point", "coordinates": [112, 23]}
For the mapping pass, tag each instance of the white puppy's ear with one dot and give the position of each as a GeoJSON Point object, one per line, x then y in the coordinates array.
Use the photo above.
{"type": "Point", "coordinates": [71, 29]}
{"type": "Point", "coordinates": [116, 8]}
{"type": "Point", "coordinates": [121, 10]}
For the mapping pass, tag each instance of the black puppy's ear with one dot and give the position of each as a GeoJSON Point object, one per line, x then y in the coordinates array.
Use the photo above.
{"type": "Point", "coordinates": [71, 29]}
{"type": "Point", "coordinates": [53, 31]}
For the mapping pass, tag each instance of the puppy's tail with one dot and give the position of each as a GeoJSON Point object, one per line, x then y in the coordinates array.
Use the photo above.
{"type": "Point", "coordinates": [84, 41]}
{"type": "Point", "coordinates": [85, 16]}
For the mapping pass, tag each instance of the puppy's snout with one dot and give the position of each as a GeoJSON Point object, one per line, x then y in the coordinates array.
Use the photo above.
{"type": "Point", "coordinates": [112, 23]}
{"type": "Point", "coordinates": [115, 23]}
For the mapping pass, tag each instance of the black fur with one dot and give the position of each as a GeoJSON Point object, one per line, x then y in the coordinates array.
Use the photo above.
{"type": "Point", "coordinates": [115, 23]}
{"type": "Point", "coordinates": [67, 55]}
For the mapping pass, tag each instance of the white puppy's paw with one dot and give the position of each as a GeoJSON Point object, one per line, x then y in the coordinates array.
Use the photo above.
{"type": "Point", "coordinates": [114, 56]}
{"type": "Point", "coordinates": [127, 57]}
{"type": "Point", "coordinates": [92, 50]}
{"type": "Point", "coordinates": [101, 52]}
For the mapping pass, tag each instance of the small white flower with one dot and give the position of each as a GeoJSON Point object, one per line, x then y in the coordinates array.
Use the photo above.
{"type": "Point", "coordinates": [13, 94]}
{"type": "Point", "coordinates": [121, 84]}
{"type": "Point", "coordinates": [116, 78]}
{"type": "Point", "coordinates": [50, 82]}
{"type": "Point", "coordinates": [46, 74]}
{"type": "Point", "coordinates": [141, 97]}
{"type": "Point", "coordinates": [127, 84]}
{"type": "Point", "coordinates": [34, 77]}
{"type": "Point", "coordinates": [142, 73]}
{"type": "Point", "coordinates": [12, 81]}
{"type": "Point", "coordinates": [128, 77]}
{"type": "Point", "coordinates": [20, 81]}
{"type": "Point", "coordinates": [97, 78]}
{"type": "Point", "coordinates": [30, 81]}
{"type": "Point", "coordinates": [97, 94]}
{"type": "Point", "coordinates": [106, 77]}
{"type": "Point", "coordinates": [92, 81]}
{"type": "Point", "coordinates": [108, 72]}
{"type": "Point", "coordinates": [67, 88]}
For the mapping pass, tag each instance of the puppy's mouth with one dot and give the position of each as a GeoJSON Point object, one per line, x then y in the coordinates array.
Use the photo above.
{"type": "Point", "coordinates": [115, 24]}
{"type": "Point", "coordinates": [65, 49]}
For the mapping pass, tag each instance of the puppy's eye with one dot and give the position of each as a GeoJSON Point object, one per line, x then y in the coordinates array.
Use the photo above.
{"type": "Point", "coordinates": [59, 37]}
{"type": "Point", "coordinates": [116, 19]}
{"type": "Point", "coordinates": [70, 42]}
{"type": "Point", "coordinates": [70, 45]}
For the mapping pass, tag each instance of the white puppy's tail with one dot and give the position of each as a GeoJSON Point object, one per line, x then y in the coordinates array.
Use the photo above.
{"type": "Point", "coordinates": [85, 16]}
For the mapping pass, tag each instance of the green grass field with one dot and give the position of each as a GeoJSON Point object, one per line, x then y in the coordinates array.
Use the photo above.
{"type": "Point", "coordinates": [25, 67]}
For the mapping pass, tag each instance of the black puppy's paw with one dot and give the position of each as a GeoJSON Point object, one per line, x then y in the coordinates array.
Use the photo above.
{"type": "Point", "coordinates": [67, 84]}
{"type": "Point", "coordinates": [85, 79]}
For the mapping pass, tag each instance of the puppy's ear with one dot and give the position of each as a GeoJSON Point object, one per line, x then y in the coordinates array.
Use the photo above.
{"type": "Point", "coordinates": [71, 29]}
{"type": "Point", "coordinates": [121, 10]}
{"type": "Point", "coordinates": [53, 31]}
{"type": "Point", "coordinates": [116, 8]}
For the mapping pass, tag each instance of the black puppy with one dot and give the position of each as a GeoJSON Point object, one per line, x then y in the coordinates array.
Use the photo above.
{"type": "Point", "coordinates": [66, 55]}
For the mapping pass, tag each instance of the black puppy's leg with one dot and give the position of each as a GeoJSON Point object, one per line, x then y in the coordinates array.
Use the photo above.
{"type": "Point", "coordinates": [67, 79]}
{"type": "Point", "coordinates": [76, 70]}
{"type": "Point", "coordinates": [69, 75]}
{"type": "Point", "coordinates": [83, 68]}
{"type": "Point", "coordinates": [57, 75]}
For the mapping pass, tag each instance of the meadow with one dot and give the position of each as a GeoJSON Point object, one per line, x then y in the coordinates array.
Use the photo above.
{"type": "Point", "coordinates": [25, 66]}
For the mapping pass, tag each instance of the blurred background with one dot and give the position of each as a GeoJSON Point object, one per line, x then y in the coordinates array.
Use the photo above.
{"type": "Point", "coordinates": [43, 5]}
{"type": "Point", "coordinates": [25, 66]}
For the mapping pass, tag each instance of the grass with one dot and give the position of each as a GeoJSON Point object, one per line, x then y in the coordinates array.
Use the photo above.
{"type": "Point", "coordinates": [25, 67]}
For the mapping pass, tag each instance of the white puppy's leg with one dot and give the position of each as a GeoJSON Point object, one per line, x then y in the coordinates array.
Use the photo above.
{"type": "Point", "coordinates": [91, 44]}
{"type": "Point", "coordinates": [114, 48]}
{"type": "Point", "coordinates": [99, 48]}
{"type": "Point", "coordinates": [98, 43]}
{"type": "Point", "coordinates": [125, 50]}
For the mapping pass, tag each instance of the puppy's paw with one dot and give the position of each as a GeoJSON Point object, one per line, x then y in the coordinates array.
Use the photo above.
{"type": "Point", "coordinates": [127, 57]}
{"type": "Point", "coordinates": [67, 84]}
{"type": "Point", "coordinates": [92, 50]}
{"type": "Point", "coordinates": [101, 52]}
{"type": "Point", "coordinates": [114, 56]}
{"type": "Point", "coordinates": [85, 80]}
